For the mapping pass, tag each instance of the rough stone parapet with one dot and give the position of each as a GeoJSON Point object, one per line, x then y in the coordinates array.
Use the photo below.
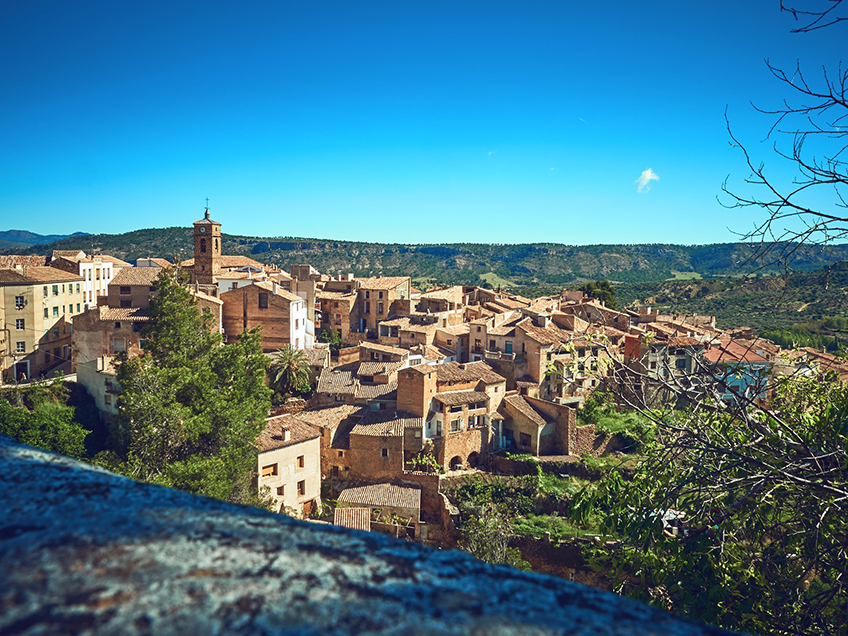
{"type": "Point", "coordinates": [86, 551]}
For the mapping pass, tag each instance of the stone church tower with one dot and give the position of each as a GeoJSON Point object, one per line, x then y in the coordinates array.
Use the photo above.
{"type": "Point", "coordinates": [207, 250]}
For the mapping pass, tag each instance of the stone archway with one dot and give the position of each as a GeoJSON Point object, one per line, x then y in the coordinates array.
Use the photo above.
{"type": "Point", "coordinates": [473, 459]}
{"type": "Point", "coordinates": [455, 463]}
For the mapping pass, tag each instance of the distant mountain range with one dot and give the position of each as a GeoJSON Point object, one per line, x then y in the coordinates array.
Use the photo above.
{"type": "Point", "coordinates": [524, 267]}
{"type": "Point", "coordinates": [17, 239]}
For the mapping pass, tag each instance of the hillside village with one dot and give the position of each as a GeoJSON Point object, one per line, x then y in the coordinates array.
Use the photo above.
{"type": "Point", "coordinates": [421, 385]}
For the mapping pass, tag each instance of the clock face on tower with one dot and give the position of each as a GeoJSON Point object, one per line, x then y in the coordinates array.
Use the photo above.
{"type": "Point", "coordinates": [202, 229]}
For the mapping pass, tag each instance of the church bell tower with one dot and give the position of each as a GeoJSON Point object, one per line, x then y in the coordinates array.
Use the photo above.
{"type": "Point", "coordinates": [207, 250]}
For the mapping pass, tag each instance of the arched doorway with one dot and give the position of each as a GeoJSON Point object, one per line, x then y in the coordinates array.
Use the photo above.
{"type": "Point", "coordinates": [473, 459]}
{"type": "Point", "coordinates": [456, 463]}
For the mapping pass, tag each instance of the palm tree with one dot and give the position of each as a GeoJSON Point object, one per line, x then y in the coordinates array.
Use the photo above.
{"type": "Point", "coordinates": [289, 370]}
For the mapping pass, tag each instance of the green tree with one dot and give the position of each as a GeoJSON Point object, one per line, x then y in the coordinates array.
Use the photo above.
{"type": "Point", "coordinates": [290, 371]}
{"type": "Point", "coordinates": [764, 499]}
{"type": "Point", "coordinates": [49, 425]}
{"type": "Point", "coordinates": [602, 290]}
{"type": "Point", "coordinates": [190, 409]}
{"type": "Point", "coordinates": [333, 338]}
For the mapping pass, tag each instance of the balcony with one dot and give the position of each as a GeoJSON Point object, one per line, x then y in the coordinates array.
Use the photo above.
{"type": "Point", "coordinates": [497, 355]}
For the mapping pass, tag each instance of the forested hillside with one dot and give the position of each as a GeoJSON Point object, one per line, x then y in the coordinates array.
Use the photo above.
{"type": "Point", "coordinates": [515, 266]}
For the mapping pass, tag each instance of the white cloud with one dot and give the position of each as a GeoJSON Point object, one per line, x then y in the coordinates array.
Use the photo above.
{"type": "Point", "coordinates": [491, 152]}
{"type": "Point", "coordinates": [643, 183]}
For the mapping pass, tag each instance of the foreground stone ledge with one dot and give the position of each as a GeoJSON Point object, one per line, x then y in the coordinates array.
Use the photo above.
{"type": "Point", "coordinates": [85, 551]}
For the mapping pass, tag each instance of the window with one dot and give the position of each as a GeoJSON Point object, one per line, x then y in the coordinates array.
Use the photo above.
{"type": "Point", "coordinates": [119, 345]}
{"type": "Point", "coordinates": [55, 290]}
{"type": "Point", "coordinates": [336, 304]}
{"type": "Point", "coordinates": [269, 471]}
{"type": "Point", "coordinates": [508, 346]}
{"type": "Point", "coordinates": [56, 312]}
{"type": "Point", "coordinates": [125, 290]}
{"type": "Point", "coordinates": [367, 294]}
{"type": "Point", "coordinates": [126, 304]}
{"type": "Point", "coordinates": [379, 308]}
{"type": "Point", "coordinates": [456, 425]}
{"type": "Point", "coordinates": [46, 312]}
{"type": "Point", "coordinates": [301, 461]}
{"type": "Point", "coordinates": [63, 288]}
{"type": "Point", "coordinates": [55, 332]}
{"type": "Point", "coordinates": [384, 452]}
{"type": "Point", "coordinates": [78, 307]}
{"type": "Point", "coordinates": [108, 399]}
{"type": "Point", "coordinates": [478, 329]}
{"type": "Point", "coordinates": [524, 439]}
{"type": "Point", "coordinates": [78, 288]}
{"type": "Point", "coordinates": [117, 325]}
{"type": "Point", "coordinates": [681, 363]}
{"type": "Point", "coordinates": [450, 342]}
{"type": "Point", "coordinates": [19, 323]}
{"type": "Point", "coordinates": [341, 453]}
{"type": "Point", "coordinates": [20, 347]}
{"type": "Point", "coordinates": [45, 291]}
{"type": "Point", "coordinates": [263, 300]}
{"type": "Point", "coordinates": [19, 302]}
{"type": "Point", "coordinates": [379, 294]}
{"type": "Point", "coordinates": [57, 353]}
{"type": "Point", "coordinates": [301, 488]}
{"type": "Point", "coordinates": [202, 245]}
{"type": "Point", "coordinates": [235, 284]}
{"type": "Point", "coordinates": [366, 307]}
{"type": "Point", "coordinates": [281, 490]}
{"type": "Point", "coordinates": [46, 356]}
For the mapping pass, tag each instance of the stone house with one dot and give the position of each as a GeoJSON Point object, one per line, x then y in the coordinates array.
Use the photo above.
{"type": "Point", "coordinates": [289, 464]}
{"type": "Point", "coordinates": [393, 509]}
{"type": "Point", "coordinates": [97, 272]}
{"type": "Point", "coordinates": [338, 312]}
{"type": "Point", "coordinates": [380, 297]}
{"type": "Point", "coordinates": [281, 314]}
{"type": "Point", "coordinates": [334, 423]}
{"type": "Point", "coordinates": [100, 379]}
{"type": "Point", "coordinates": [382, 443]}
{"type": "Point", "coordinates": [37, 307]}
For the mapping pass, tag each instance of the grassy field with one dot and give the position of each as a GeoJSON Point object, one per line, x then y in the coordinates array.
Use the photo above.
{"type": "Point", "coordinates": [494, 280]}
{"type": "Point", "coordinates": [685, 276]}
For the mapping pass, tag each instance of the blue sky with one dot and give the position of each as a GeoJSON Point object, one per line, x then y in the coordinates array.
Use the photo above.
{"type": "Point", "coordinates": [490, 121]}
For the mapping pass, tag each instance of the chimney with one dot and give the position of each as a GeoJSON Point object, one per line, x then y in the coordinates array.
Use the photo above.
{"type": "Point", "coordinates": [275, 287]}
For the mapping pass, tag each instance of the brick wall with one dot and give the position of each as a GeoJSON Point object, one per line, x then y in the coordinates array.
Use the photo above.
{"type": "Point", "coordinates": [367, 461]}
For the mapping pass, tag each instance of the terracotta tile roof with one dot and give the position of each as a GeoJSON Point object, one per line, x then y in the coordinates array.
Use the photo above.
{"type": "Point", "coordinates": [11, 260]}
{"type": "Point", "coordinates": [380, 495]}
{"type": "Point", "coordinates": [382, 282]}
{"type": "Point", "coordinates": [455, 373]}
{"type": "Point", "coordinates": [685, 341]}
{"type": "Point", "coordinates": [514, 404]}
{"type": "Point", "coordinates": [282, 293]}
{"type": "Point", "coordinates": [69, 254]}
{"type": "Point", "coordinates": [550, 335]}
{"type": "Point", "coordinates": [386, 423]}
{"type": "Point", "coordinates": [161, 262]}
{"type": "Point", "coordinates": [333, 295]}
{"type": "Point", "coordinates": [456, 330]}
{"type": "Point", "coordinates": [316, 357]}
{"type": "Point", "coordinates": [35, 275]}
{"type": "Point", "coordinates": [730, 352]}
{"type": "Point", "coordinates": [395, 322]}
{"type": "Point", "coordinates": [526, 384]}
{"type": "Point", "coordinates": [105, 258]}
{"type": "Point", "coordinates": [371, 368]}
{"type": "Point", "coordinates": [433, 352]}
{"type": "Point", "coordinates": [373, 346]}
{"type": "Point", "coordinates": [129, 276]}
{"type": "Point", "coordinates": [446, 293]}
{"type": "Point", "coordinates": [338, 381]}
{"type": "Point", "coordinates": [228, 262]}
{"type": "Point", "coordinates": [384, 392]}
{"type": "Point", "coordinates": [353, 518]}
{"type": "Point", "coordinates": [284, 430]}
{"type": "Point", "coordinates": [124, 314]}
{"type": "Point", "coordinates": [456, 398]}
{"type": "Point", "coordinates": [330, 416]}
